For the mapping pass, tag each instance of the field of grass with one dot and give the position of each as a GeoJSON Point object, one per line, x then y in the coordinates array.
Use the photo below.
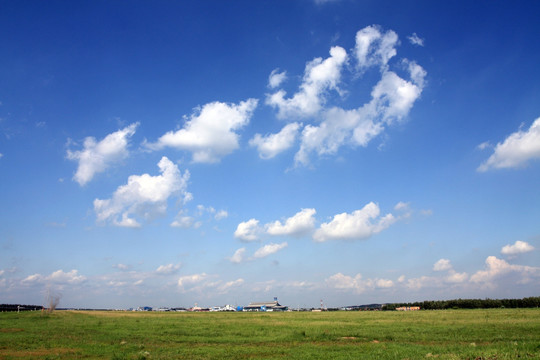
{"type": "Point", "coordinates": [446, 334]}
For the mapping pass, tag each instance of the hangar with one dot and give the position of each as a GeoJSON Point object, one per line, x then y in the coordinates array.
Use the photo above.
{"type": "Point", "coordinates": [266, 306]}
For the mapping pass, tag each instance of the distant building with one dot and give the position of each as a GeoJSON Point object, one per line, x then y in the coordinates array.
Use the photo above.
{"type": "Point", "coordinates": [266, 306]}
{"type": "Point", "coordinates": [223, 308]}
{"type": "Point", "coordinates": [408, 308]}
{"type": "Point", "coordinates": [144, 308]}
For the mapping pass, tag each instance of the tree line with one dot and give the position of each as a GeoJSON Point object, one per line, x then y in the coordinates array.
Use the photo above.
{"type": "Point", "coordinates": [528, 302]}
{"type": "Point", "coordinates": [19, 307]}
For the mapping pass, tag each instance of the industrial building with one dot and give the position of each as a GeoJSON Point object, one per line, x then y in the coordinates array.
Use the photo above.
{"type": "Point", "coordinates": [266, 306]}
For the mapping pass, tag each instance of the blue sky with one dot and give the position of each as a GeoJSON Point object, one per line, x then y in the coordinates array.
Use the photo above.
{"type": "Point", "coordinates": [166, 153]}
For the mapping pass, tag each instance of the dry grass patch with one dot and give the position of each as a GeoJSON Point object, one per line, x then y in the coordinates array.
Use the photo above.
{"type": "Point", "coordinates": [37, 353]}
{"type": "Point", "coordinates": [11, 330]}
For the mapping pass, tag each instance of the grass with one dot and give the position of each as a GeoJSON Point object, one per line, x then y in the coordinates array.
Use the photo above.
{"type": "Point", "coordinates": [450, 334]}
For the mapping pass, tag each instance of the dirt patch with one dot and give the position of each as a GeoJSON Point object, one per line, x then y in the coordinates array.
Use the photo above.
{"type": "Point", "coordinates": [348, 337]}
{"type": "Point", "coordinates": [35, 353]}
{"type": "Point", "coordinates": [11, 330]}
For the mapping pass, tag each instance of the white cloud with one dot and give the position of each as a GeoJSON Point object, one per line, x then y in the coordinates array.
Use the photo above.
{"type": "Point", "coordinates": [384, 283]}
{"type": "Point", "coordinates": [416, 40]}
{"type": "Point", "coordinates": [423, 281]}
{"type": "Point", "coordinates": [238, 256]}
{"type": "Point", "coordinates": [58, 277]}
{"type": "Point", "coordinates": [319, 77]}
{"type": "Point", "coordinates": [204, 284]}
{"type": "Point", "coordinates": [143, 195]}
{"type": "Point", "coordinates": [168, 269]}
{"type": "Point", "coordinates": [33, 279]}
{"type": "Point", "coordinates": [1, 155]}
{"type": "Point", "coordinates": [97, 156]}
{"type": "Point", "coordinates": [519, 247]}
{"type": "Point", "coordinates": [356, 283]}
{"type": "Point", "coordinates": [360, 224]}
{"type": "Point", "coordinates": [484, 145]}
{"type": "Point", "coordinates": [276, 78]}
{"type": "Point", "coordinates": [270, 145]}
{"type": "Point", "coordinates": [221, 214]}
{"type": "Point", "coordinates": [442, 265]}
{"type": "Point", "coordinates": [188, 281]}
{"type": "Point", "coordinates": [269, 249]}
{"type": "Point", "coordinates": [393, 97]}
{"type": "Point", "coordinates": [374, 48]}
{"type": "Point", "coordinates": [248, 230]}
{"type": "Point", "coordinates": [456, 278]}
{"type": "Point", "coordinates": [210, 133]}
{"type": "Point", "coordinates": [185, 222]}
{"type": "Point", "coordinates": [451, 277]}
{"type": "Point", "coordinates": [402, 206]}
{"type": "Point", "coordinates": [391, 100]}
{"type": "Point", "coordinates": [341, 281]}
{"type": "Point", "coordinates": [338, 127]}
{"type": "Point", "coordinates": [229, 285]}
{"type": "Point", "coordinates": [301, 223]}
{"type": "Point", "coordinates": [516, 150]}
{"type": "Point", "coordinates": [498, 267]}
{"type": "Point", "coordinates": [70, 277]}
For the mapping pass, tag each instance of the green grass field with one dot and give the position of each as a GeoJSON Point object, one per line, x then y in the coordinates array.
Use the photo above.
{"type": "Point", "coordinates": [446, 334]}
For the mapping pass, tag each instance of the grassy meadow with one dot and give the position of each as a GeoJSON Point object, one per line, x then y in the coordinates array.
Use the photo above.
{"type": "Point", "coordinates": [446, 334]}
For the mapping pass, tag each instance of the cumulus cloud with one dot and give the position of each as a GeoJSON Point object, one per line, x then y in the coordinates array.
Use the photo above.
{"type": "Point", "coordinates": [416, 40]}
{"type": "Point", "coordinates": [360, 224]}
{"type": "Point", "coordinates": [271, 145]}
{"type": "Point", "coordinates": [223, 288]}
{"type": "Point", "coordinates": [391, 100]}
{"type": "Point", "coordinates": [144, 195]}
{"type": "Point", "coordinates": [238, 256]}
{"type": "Point", "coordinates": [97, 156]}
{"type": "Point", "coordinates": [248, 230]}
{"type": "Point", "coordinates": [402, 206]}
{"type": "Point", "coordinates": [186, 222]}
{"type": "Point", "coordinates": [302, 223]}
{"type": "Point", "coordinates": [338, 127]}
{"type": "Point", "coordinates": [58, 277]}
{"type": "Point", "coordinates": [356, 283]}
{"type": "Point", "coordinates": [187, 281]}
{"type": "Point", "coordinates": [375, 47]}
{"type": "Point", "coordinates": [269, 249]}
{"type": "Point", "coordinates": [221, 214]}
{"type": "Point", "coordinates": [210, 133]}
{"type": "Point", "coordinates": [320, 76]}
{"type": "Point", "coordinates": [70, 277]}
{"type": "Point", "coordinates": [276, 78]}
{"type": "Point", "coordinates": [167, 269]}
{"type": "Point", "coordinates": [455, 277]}
{"type": "Point", "coordinates": [205, 284]}
{"type": "Point", "coordinates": [516, 150]}
{"type": "Point", "coordinates": [420, 282]}
{"type": "Point", "coordinates": [452, 276]}
{"type": "Point", "coordinates": [498, 267]}
{"type": "Point", "coordinates": [442, 265]}
{"type": "Point", "coordinates": [519, 247]}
